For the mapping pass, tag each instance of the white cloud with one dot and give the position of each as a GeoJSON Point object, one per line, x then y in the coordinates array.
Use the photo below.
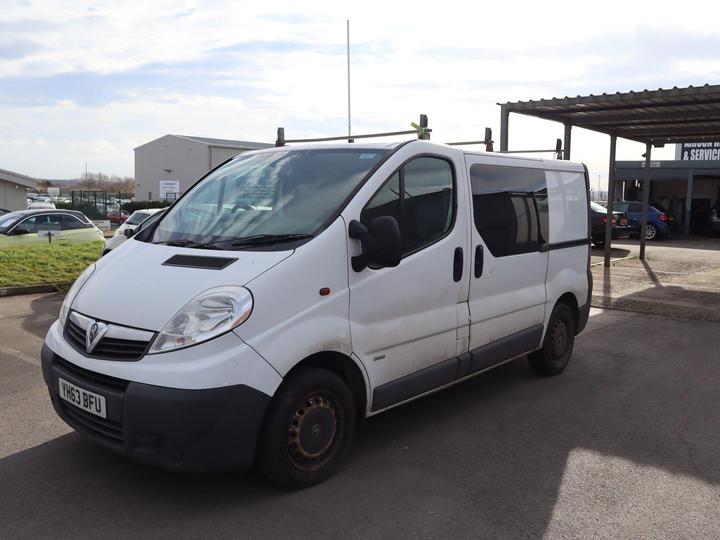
{"type": "Point", "coordinates": [452, 60]}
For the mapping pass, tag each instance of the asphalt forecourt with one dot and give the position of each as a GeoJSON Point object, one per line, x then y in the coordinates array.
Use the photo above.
{"type": "Point", "coordinates": [679, 278]}
{"type": "Point", "coordinates": [622, 444]}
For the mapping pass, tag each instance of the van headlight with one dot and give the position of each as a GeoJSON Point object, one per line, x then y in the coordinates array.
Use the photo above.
{"type": "Point", "coordinates": [208, 315]}
{"type": "Point", "coordinates": [74, 290]}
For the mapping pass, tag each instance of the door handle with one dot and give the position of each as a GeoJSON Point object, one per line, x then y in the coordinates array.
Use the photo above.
{"type": "Point", "coordinates": [458, 265]}
{"type": "Point", "coordinates": [479, 256]}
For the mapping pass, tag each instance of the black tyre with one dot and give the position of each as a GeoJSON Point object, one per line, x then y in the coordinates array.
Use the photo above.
{"type": "Point", "coordinates": [557, 347]}
{"type": "Point", "coordinates": [651, 232]}
{"type": "Point", "coordinates": [308, 430]}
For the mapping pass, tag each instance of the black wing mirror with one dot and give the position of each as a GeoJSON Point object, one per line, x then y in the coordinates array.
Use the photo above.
{"type": "Point", "coordinates": [129, 233]}
{"type": "Point", "coordinates": [381, 243]}
{"type": "Point", "coordinates": [21, 230]}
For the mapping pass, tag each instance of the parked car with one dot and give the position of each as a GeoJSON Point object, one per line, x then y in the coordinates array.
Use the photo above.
{"type": "Point", "coordinates": [22, 227]}
{"type": "Point", "coordinates": [44, 203]}
{"type": "Point", "coordinates": [135, 219]}
{"type": "Point", "coordinates": [127, 229]}
{"type": "Point", "coordinates": [357, 278]}
{"type": "Point", "coordinates": [657, 222]}
{"type": "Point", "coordinates": [598, 221]}
{"type": "Point", "coordinates": [112, 215]}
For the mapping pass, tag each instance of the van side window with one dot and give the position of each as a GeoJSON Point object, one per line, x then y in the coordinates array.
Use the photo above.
{"type": "Point", "coordinates": [510, 208]}
{"type": "Point", "coordinates": [421, 197]}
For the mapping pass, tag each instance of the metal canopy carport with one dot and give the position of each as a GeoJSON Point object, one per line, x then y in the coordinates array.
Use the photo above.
{"type": "Point", "coordinates": [651, 117]}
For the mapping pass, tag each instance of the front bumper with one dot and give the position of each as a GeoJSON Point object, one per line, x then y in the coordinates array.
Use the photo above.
{"type": "Point", "coordinates": [184, 429]}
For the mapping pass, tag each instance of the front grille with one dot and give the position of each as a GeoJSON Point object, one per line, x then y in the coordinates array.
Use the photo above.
{"type": "Point", "coordinates": [108, 348]}
{"type": "Point", "coordinates": [84, 421]}
{"type": "Point", "coordinates": [97, 378]}
{"type": "Point", "coordinates": [109, 430]}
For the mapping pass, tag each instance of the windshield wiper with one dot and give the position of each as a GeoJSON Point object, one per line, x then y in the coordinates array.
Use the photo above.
{"type": "Point", "coordinates": [268, 239]}
{"type": "Point", "coordinates": [192, 244]}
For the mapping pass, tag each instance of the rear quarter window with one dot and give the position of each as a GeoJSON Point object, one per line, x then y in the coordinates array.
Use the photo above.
{"type": "Point", "coordinates": [510, 208]}
{"type": "Point", "coordinates": [568, 199]}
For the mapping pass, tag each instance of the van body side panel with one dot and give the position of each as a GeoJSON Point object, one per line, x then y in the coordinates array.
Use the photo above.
{"type": "Point", "coordinates": [509, 296]}
{"type": "Point", "coordinates": [405, 319]}
{"type": "Point", "coordinates": [568, 204]}
{"type": "Point", "coordinates": [291, 320]}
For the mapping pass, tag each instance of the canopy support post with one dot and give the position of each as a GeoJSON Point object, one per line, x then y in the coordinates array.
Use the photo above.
{"type": "Point", "coordinates": [646, 200]}
{"type": "Point", "coordinates": [688, 204]}
{"type": "Point", "coordinates": [504, 118]}
{"type": "Point", "coordinates": [566, 142]}
{"type": "Point", "coordinates": [610, 199]}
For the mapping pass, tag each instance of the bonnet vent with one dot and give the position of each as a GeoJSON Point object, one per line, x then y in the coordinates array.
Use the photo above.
{"type": "Point", "coordinates": [198, 261]}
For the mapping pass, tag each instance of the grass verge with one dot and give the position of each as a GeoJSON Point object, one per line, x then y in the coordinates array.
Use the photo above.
{"type": "Point", "coordinates": [39, 264]}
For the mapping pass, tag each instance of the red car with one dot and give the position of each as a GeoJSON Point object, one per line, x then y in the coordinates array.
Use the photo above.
{"type": "Point", "coordinates": [112, 215]}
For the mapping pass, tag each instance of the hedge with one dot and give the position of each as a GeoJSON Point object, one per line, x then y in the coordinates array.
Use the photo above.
{"type": "Point", "coordinates": [142, 205]}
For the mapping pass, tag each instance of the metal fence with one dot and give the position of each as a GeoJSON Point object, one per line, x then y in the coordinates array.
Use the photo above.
{"type": "Point", "coordinates": [97, 205]}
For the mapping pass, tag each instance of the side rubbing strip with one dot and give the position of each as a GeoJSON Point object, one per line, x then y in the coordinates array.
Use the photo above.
{"type": "Point", "coordinates": [456, 368]}
{"type": "Point", "coordinates": [507, 347]}
{"type": "Point", "coordinates": [566, 244]}
{"type": "Point", "coordinates": [198, 261]}
{"type": "Point", "coordinates": [414, 384]}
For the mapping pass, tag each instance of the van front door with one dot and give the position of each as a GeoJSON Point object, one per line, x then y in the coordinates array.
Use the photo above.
{"type": "Point", "coordinates": [507, 289]}
{"type": "Point", "coordinates": [409, 323]}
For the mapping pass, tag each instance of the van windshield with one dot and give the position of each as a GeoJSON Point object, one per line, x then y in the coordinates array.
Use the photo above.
{"type": "Point", "coordinates": [266, 198]}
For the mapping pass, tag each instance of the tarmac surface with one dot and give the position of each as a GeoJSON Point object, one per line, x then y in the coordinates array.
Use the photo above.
{"type": "Point", "coordinates": [678, 278]}
{"type": "Point", "coordinates": [623, 444]}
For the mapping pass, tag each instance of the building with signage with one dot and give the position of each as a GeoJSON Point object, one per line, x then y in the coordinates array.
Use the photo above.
{"type": "Point", "coordinates": [687, 188]}
{"type": "Point", "coordinates": [167, 166]}
{"type": "Point", "coordinates": [13, 190]}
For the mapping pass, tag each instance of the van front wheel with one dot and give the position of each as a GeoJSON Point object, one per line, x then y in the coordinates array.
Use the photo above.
{"type": "Point", "coordinates": [308, 430]}
{"type": "Point", "coordinates": [557, 347]}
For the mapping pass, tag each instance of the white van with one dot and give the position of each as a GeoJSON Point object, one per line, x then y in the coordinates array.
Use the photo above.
{"type": "Point", "coordinates": [294, 291]}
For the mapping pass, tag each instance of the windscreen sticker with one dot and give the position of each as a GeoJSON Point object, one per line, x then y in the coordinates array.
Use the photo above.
{"type": "Point", "coordinates": [367, 156]}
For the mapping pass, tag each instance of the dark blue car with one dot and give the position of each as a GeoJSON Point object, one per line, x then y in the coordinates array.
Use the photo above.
{"type": "Point", "coordinates": [657, 223]}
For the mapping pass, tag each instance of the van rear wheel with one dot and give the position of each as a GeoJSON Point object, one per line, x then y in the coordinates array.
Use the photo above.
{"type": "Point", "coordinates": [308, 430]}
{"type": "Point", "coordinates": [557, 348]}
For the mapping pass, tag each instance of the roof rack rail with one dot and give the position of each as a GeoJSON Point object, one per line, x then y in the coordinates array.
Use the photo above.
{"type": "Point", "coordinates": [421, 130]}
{"type": "Point", "coordinates": [488, 142]}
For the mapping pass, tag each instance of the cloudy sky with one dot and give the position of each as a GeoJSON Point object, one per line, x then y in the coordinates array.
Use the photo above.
{"type": "Point", "coordinates": [89, 81]}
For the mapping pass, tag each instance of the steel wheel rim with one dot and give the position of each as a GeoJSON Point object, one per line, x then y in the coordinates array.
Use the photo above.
{"type": "Point", "coordinates": [559, 340]}
{"type": "Point", "coordinates": [313, 430]}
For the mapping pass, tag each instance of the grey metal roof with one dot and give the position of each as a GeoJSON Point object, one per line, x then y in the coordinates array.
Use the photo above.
{"type": "Point", "coordinates": [17, 178]}
{"type": "Point", "coordinates": [673, 115]}
{"type": "Point", "coordinates": [227, 143]}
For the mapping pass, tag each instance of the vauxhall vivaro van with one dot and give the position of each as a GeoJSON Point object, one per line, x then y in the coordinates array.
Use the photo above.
{"type": "Point", "coordinates": [294, 291]}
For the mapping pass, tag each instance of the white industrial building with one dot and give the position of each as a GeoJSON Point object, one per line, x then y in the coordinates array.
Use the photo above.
{"type": "Point", "coordinates": [14, 188]}
{"type": "Point", "coordinates": [167, 166]}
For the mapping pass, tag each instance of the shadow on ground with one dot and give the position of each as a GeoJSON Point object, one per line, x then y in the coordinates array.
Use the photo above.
{"type": "Point", "coordinates": [45, 309]}
{"type": "Point", "coordinates": [483, 459]}
{"type": "Point", "coordinates": [616, 252]}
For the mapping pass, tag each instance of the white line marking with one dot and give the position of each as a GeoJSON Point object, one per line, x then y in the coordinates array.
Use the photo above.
{"type": "Point", "coordinates": [19, 355]}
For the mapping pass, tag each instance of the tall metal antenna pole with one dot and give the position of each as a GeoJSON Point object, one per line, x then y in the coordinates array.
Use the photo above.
{"type": "Point", "coordinates": [348, 76]}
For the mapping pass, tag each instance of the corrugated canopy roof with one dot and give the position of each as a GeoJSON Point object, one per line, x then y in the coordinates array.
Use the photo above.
{"type": "Point", "coordinates": [675, 115]}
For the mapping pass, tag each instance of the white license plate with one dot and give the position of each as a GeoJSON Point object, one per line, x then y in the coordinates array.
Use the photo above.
{"type": "Point", "coordinates": [81, 398]}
